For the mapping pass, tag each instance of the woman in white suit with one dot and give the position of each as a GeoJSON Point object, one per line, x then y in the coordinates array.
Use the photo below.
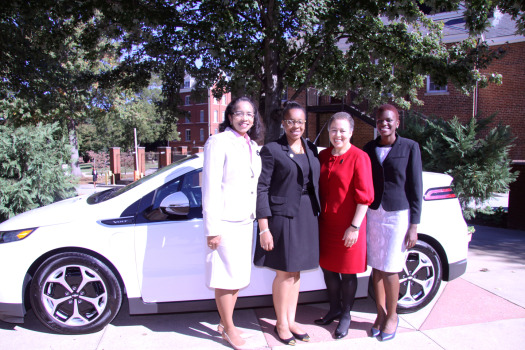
{"type": "Point", "coordinates": [231, 170]}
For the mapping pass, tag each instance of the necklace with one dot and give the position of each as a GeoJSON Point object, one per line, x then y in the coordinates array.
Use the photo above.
{"type": "Point", "coordinates": [297, 149]}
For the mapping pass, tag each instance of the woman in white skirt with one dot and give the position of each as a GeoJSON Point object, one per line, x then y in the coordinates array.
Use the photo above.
{"type": "Point", "coordinates": [393, 216]}
{"type": "Point", "coordinates": [231, 170]}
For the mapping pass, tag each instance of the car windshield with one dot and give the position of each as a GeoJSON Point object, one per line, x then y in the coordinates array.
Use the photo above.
{"type": "Point", "coordinates": [99, 197]}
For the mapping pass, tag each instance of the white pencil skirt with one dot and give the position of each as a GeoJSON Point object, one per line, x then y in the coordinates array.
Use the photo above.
{"type": "Point", "coordinates": [230, 265]}
{"type": "Point", "coordinates": [385, 236]}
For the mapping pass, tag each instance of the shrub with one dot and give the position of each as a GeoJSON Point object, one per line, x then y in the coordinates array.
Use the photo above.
{"type": "Point", "coordinates": [475, 155]}
{"type": "Point", "coordinates": [33, 168]}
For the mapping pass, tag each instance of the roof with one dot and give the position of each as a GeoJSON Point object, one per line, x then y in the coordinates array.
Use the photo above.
{"type": "Point", "coordinates": [501, 30]}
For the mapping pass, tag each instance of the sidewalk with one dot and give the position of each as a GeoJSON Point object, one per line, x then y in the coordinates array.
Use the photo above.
{"type": "Point", "coordinates": [484, 309]}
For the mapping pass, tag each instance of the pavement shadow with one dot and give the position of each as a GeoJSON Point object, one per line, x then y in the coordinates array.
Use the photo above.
{"type": "Point", "coordinates": [509, 245]}
{"type": "Point", "coordinates": [201, 325]}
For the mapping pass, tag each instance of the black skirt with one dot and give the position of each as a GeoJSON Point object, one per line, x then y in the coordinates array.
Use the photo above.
{"type": "Point", "coordinates": [296, 241]}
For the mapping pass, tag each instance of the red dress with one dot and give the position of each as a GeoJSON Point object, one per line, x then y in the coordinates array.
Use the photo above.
{"type": "Point", "coordinates": [345, 181]}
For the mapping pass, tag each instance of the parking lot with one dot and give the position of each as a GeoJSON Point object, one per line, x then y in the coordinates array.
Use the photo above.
{"type": "Point", "coordinates": [484, 309]}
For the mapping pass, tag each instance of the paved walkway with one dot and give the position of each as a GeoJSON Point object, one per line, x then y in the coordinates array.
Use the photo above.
{"type": "Point", "coordinates": [484, 309]}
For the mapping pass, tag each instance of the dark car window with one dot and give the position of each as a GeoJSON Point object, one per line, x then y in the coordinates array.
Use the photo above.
{"type": "Point", "coordinates": [189, 184]}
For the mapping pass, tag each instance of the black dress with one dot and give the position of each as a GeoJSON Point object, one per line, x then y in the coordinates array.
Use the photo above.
{"type": "Point", "coordinates": [296, 239]}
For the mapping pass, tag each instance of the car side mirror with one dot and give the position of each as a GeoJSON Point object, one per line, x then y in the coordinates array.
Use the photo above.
{"type": "Point", "coordinates": [176, 204]}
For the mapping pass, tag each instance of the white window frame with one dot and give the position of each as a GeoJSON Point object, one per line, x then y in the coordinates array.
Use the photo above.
{"type": "Point", "coordinates": [432, 88]}
{"type": "Point", "coordinates": [187, 100]}
{"type": "Point", "coordinates": [201, 134]}
{"type": "Point", "coordinates": [187, 135]}
{"type": "Point", "coordinates": [187, 84]}
{"type": "Point", "coordinates": [215, 116]}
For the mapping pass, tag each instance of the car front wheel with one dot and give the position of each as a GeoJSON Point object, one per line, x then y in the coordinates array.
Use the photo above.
{"type": "Point", "coordinates": [75, 293]}
{"type": "Point", "coordinates": [420, 279]}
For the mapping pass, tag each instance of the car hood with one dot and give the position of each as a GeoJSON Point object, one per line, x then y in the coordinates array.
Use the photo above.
{"type": "Point", "coordinates": [53, 214]}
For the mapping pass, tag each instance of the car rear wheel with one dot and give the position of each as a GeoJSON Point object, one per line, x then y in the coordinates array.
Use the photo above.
{"type": "Point", "coordinates": [75, 293]}
{"type": "Point", "coordinates": [420, 279]}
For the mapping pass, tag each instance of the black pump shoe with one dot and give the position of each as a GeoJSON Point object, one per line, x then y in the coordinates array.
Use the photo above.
{"type": "Point", "coordinates": [342, 328]}
{"type": "Point", "coordinates": [302, 337]}
{"type": "Point", "coordinates": [327, 319]}
{"type": "Point", "coordinates": [290, 341]}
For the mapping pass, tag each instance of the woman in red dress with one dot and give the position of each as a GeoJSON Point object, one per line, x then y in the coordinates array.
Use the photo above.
{"type": "Point", "coordinates": [346, 190]}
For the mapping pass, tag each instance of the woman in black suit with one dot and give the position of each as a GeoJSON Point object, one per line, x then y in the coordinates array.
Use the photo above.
{"type": "Point", "coordinates": [393, 216]}
{"type": "Point", "coordinates": [287, 209]}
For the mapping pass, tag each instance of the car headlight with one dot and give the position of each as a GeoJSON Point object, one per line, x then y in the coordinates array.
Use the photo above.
{"type": "Point", "coordinates": [16, 235]}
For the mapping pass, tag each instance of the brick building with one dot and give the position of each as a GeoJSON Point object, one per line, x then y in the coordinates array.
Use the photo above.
{"type": "Point", "coordinates": [203, 117]}
{"type": "Point", "coordinates": [507, 100]}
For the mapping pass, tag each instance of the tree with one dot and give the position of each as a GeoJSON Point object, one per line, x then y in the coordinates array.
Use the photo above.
{"type": "Point", "coordinates": [476, 156]}
{"type": "Point", "coordinates": [380, 50]}
{"type": "Point", "coordinates": [126, 110]}
{"type": "Point", "coordinates": [33, 168]}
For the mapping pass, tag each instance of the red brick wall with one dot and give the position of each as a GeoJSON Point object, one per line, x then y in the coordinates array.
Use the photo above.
{"type": "Point", "coordinates": [506, 100]}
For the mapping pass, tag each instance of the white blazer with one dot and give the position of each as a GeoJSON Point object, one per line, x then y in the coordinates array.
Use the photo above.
{"type": "Point", "coordinates": [229, 188]}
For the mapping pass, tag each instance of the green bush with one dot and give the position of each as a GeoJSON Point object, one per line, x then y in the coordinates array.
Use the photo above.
{"type": "Point", "coordinates": [476, 156]}
{"type": "Point", "coordinates": [33, 168]}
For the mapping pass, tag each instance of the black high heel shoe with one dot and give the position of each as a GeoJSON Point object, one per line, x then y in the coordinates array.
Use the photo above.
{"type": "Point", "coordinates": [342, 328]}
{"type": "Point", "coordinates": [327, 319]}
{"type": "Point", "coordinates": [302, 337]}
{"type": "Point", "coordinates": [289, 341]}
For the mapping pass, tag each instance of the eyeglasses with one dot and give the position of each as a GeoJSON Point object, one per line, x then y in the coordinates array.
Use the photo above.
{"type": "Point", "coordinates": [241, 114]}
{"type": "Point", "coordinates": [290, 122]}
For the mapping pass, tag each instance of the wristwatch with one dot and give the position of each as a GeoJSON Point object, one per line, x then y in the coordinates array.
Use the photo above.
{"type": "Point", "coordinates": [354, 226]}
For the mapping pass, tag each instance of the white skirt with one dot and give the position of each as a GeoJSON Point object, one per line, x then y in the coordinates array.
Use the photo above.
{"type": "Point", "coordinates": [385, 238]}
{"type": "Point", "coordinates": [230, 265]}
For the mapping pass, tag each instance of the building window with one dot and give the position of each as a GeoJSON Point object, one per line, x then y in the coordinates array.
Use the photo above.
{"type": "Point", "coordinates": [433, 87]}
{"type": "Point", "coordinates": [202, 134]}
{"type": "Point", "coordinates": [201, 117]}
{"type": "Point", "coordinates": [222, 116]}
{"type": "Point", "coordinates": [187, 100]}
{"type": "Point", "coordinates": [188, 119]}
{"type": "Point", "coordinates": [223, 99]}
{"type": "Point", "coordinates": [215, 116]}
{"type": "Point", "coordinates": [186, 84]}
{"type": "Point", "coordinates": [216, 131]}
{"type": "Point", "coordinates": [188, 135]}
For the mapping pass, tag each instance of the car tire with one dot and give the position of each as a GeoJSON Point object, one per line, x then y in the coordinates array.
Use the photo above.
{"type": "Point", "coordinates": [420, 279]}
{"type": "Point", "coordinates": [75, 293]}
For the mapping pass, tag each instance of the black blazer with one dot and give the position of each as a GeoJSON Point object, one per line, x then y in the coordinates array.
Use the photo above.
{"type": "Point", "coordinates": [398, 183]}
{"type": "Point", "coordinates": [281, 181]}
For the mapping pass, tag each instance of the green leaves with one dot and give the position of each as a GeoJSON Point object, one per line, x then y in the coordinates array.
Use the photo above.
{"type": "Point", "coordinates": [475, 154]}
{"type": "Point", "coordinates": [33, 168]}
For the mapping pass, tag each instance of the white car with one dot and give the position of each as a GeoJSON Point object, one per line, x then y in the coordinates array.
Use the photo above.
{"type": "Point", "coordinates": [72, 261]}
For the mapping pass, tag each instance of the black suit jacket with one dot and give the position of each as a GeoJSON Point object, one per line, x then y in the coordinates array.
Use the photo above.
{"type": "Point", "coordinates": [398, 183]}
{"type": "Point", "coordinates": [281, 181]}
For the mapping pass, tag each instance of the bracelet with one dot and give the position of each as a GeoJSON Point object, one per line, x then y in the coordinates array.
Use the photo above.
{"type": "Point", "coordinates": [263, 231]}
{"type": "Point", "coordinates": [354, 226]}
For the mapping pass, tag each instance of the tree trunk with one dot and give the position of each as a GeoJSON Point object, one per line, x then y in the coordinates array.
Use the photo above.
{"type": "Point", "coordinates": [273, 87]}
{"type": "Point", "coordinates": [73, 140]}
